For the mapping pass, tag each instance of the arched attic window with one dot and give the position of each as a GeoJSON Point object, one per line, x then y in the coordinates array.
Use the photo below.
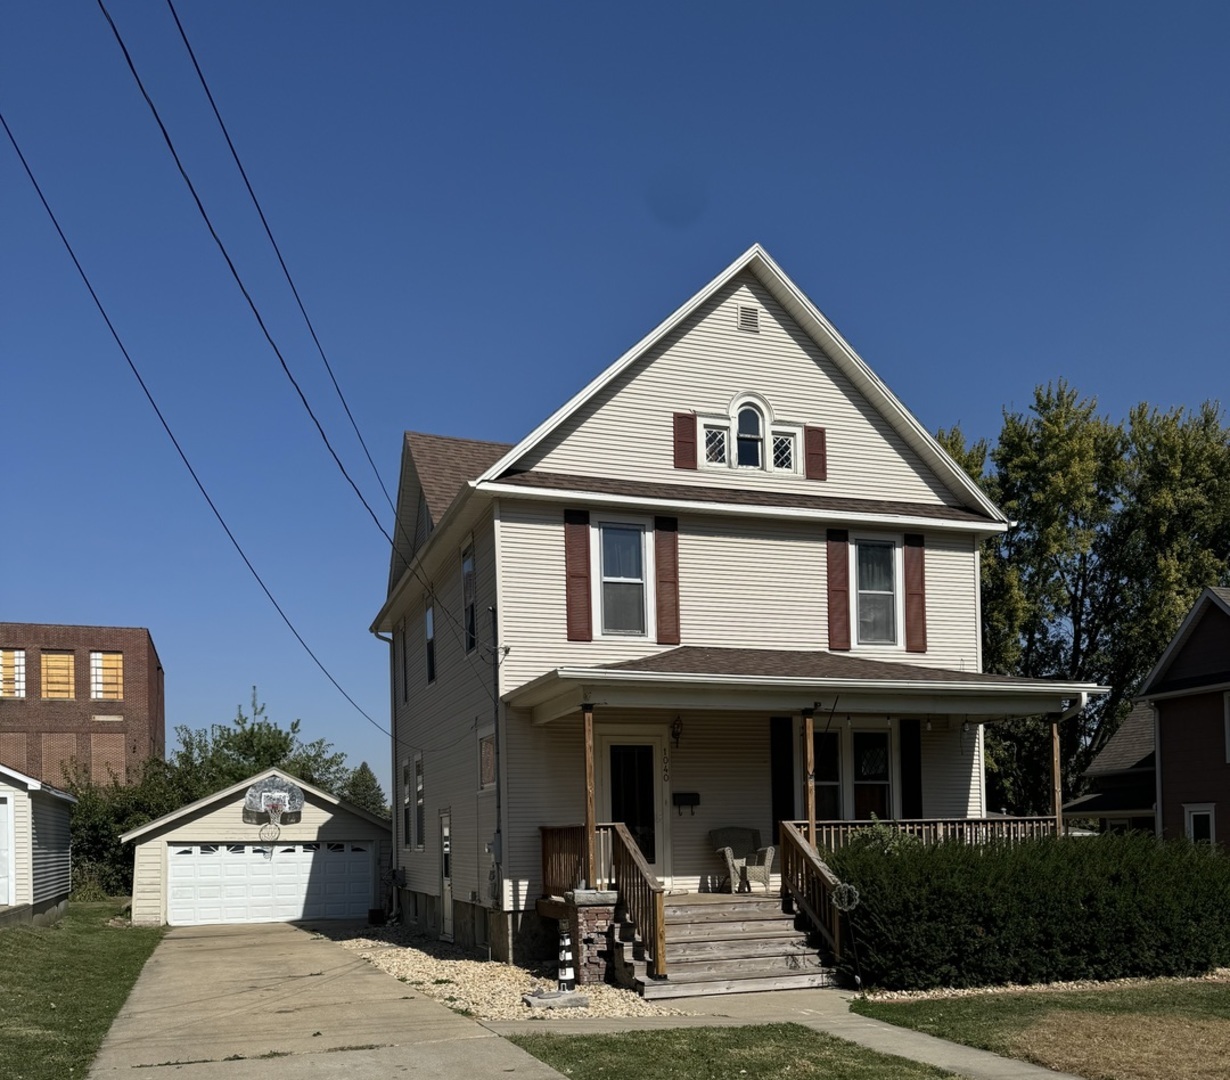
{"type": "Point", "coordinates": [750, 442]}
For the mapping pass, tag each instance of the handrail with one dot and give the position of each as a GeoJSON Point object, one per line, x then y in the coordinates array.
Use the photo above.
{"type": "Point", "coordinates": [642, 894]}
{"type": "Point", "coordinates": [833, 835]}
{"type": "Point", "coordinates": [810, 884]}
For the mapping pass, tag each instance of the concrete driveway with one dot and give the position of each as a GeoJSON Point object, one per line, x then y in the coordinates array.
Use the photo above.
{"type": "Point", "coordinates": [277, 1001]}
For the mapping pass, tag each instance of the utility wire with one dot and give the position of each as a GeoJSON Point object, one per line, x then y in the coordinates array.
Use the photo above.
{"type": "Point", "coordinates": [456, 623]}
{"type": "Point", "coordinates": [184, 457]}
{"type": "Point", "coordinates": [278, 251]}
{"type": "Point", "coordinates": [171, 434]}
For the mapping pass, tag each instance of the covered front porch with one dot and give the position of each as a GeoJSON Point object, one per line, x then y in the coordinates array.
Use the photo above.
{"type": "Point", "coordinates": [666, 756]}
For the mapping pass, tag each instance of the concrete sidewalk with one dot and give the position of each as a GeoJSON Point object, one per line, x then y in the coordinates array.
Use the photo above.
{"type": "Point", "coordinates": [822, 1010]}
{"type": "Point", "coordinates": [273, 1000]}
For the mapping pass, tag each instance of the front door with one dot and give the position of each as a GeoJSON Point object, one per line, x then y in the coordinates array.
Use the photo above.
{"type": "Point", "coordinates": [633, 786]}
{"type": "Point", "coordinates": [446, 875]}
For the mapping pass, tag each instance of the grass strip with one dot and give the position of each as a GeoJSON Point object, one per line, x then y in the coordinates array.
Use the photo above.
{"type": "Point", "coordinates": [1167, 1029]}
{"type": "Point", "coordinates": [760, 1052]}
{"type": "Point", "coordinates": [61, 987]}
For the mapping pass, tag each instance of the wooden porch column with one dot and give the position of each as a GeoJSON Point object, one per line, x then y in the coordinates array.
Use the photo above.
{"type": "Point", "coordinates": [591, 829]}
{"type": "Point", "coordinates": [809, 789]}
{"type": "Point", "coordinates": [1056, 778]}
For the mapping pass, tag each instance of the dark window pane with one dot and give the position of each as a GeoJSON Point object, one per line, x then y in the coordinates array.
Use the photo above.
{"type": "Point", "coordinates": [877, 623]}
{"type": "Point", "coordinates": [632, 782]}
{"type": "Point", "coordinates": [828, 757]}
{"type": "Point", "coordinates": [623, 607]}
{"type": "Point", "coordinates": [828, 802]}
{"type": "Point", "coordinates": [870, 755]}
{"type": "Point", "coordinates": [871, 800]}
{"type": "Point", "coordinates": [1202, 827]}
{"type": "Point", "coordinates": [875, 567]}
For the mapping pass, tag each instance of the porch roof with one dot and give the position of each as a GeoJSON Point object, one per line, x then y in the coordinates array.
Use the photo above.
{"type": "Point", "coordinates": [791, 680]}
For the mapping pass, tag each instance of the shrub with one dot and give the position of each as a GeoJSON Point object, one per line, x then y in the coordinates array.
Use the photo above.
{"type": "Point", "coordinates": [1103, 907]}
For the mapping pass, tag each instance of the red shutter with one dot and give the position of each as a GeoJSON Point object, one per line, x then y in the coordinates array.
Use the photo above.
{"type": "Point", "coordinates": [578, 602]}
{"type": "Point", "coordinates": [685, 440]}
{"type": "Point", "coordinates": [666, 578]}
{"type": "Point", "coordinates": [815, 454]}
{"type": "Point", "coordinates": [839, 588]}
{"type": "Point", "coordinates": [915, 593]}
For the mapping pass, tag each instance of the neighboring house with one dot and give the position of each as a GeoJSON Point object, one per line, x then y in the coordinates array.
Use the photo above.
{"type": "Point", "coordinates": [222, 859]}
{"type": "Point", "coordinates": [35, 865]}
{"type": "Point", "coordinates": [736, 581]}
{"type": "Point", "coordinates": [93, 694]}
{"type": "Point", "coordinates": [1122, 779]}
{"type": "Point", "coordinates": [1189, 690]}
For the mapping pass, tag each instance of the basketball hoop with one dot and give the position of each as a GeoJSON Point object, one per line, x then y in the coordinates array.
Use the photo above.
{"type": "Point", "coordinates": [273, 803]}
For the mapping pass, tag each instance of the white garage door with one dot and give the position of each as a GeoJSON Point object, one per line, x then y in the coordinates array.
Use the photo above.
{"type": "Point", "coordinates": [245, 883]}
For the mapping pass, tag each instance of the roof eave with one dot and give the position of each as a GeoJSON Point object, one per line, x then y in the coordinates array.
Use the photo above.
{"type": "Point", "coordinates": [1207, 596]}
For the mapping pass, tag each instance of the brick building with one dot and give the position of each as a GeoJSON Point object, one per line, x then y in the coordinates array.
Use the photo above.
{"type": "Point", "coordinates": [93, 693]}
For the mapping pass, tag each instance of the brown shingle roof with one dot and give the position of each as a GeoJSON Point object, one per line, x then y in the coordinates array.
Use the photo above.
{"type": "Point", "coordinates": [1131, 747]}
{"type": "Point", "coordinates": [802, 664]}
{"type": "Point", "coordinates": [444, 464]}
{"type": "Point", "coordinates": [696, 493]}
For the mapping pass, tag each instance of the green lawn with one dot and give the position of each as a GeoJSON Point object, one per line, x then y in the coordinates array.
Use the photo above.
{"type": "Point", "coordinates": [62, 985]}
{"type": "Point", "coordinates": [1166, 1028]}
{"type": "Point", "coordinates": [763, 1052]}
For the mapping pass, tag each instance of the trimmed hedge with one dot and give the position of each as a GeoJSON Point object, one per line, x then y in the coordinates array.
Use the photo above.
{"type": "Point", "coordinates": [1104, 907]}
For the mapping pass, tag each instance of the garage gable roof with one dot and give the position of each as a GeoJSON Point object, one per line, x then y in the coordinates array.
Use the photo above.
{"type": "Point", "coordinates": [185, 812]}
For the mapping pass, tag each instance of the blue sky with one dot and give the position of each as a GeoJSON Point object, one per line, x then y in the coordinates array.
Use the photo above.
{"type": "Point", "coordinates": [485, 204]}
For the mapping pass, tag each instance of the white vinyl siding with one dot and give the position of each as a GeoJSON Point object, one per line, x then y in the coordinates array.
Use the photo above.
{"type": "Point", "coordinates": [741, 583]}
{"type": "Point", "coordinates": [147, 884]}
{"type": "Point", "coordinates": [703, 366]}
{"type": "Point", "coordinates": [443, 719]}
{"type": "Point", "coordinates": [952, 769]}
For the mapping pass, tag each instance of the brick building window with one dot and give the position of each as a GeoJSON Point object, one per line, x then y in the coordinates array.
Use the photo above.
{"type": "Point", "coordinates": [107, 676]}
{"type": "Point", "coordinates": [58, 675]}
{"type": "Point", "coordinates": [12, 672]}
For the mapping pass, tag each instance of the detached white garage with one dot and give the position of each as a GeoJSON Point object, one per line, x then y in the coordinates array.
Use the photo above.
{"type": "Point", "coordinates": [269, 849]}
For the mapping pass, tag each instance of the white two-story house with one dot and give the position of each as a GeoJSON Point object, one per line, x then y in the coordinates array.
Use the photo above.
{"type": "Point", "coordinates": [732, 582]}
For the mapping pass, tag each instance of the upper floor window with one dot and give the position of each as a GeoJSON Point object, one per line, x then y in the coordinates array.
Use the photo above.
{"type": "Point", "coordinates": [429, 632]}
{"type": "Point", "coordinates": [748, 436]}
{"type": "Point", "coordinates": [467, 593]}
{"type": "Point", "coordinates": [876, 572]}
{"type": "Point", "coordinates": [58, 675]}
{"type": "Point", "coordinates": [622, 578]}
{"type": "Point", "coordinates": [107, 676]}
{"type": "Point", "coordinates": [486, 757]}
{"type": "Point", "coordinates": [12, 672]}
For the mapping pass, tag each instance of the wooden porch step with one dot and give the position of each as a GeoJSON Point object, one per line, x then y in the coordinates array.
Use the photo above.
{"type": "Point", "coordinates": [742, 946]}
{"type": "Point", "coordinates": [747, 907]}
{"type": "Point", "coordinates": [751, 981]}
{"type": "Point", "coordinates": [709, 929]}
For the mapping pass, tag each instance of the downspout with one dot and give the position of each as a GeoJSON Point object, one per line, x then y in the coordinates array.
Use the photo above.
{"type": "Point", "coordinates": [396, 895]}
{"type": "Point", "coordinates": [497, 841]}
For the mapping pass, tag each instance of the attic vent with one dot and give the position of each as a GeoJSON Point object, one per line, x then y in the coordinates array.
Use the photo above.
{"type": "Point", "coordinates": [749, 319]}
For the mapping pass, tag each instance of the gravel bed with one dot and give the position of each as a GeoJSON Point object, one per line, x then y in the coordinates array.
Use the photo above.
{"type": "Point", "coordinates": [1221, 975]}
{"type": "Point", "coordinates": [471, 984]}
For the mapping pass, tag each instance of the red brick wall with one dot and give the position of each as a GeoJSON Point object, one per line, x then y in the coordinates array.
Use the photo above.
{"type": "Point", "coordinates": [43, 732]}
{"type": "Point", "coordinates": [1192, 741]}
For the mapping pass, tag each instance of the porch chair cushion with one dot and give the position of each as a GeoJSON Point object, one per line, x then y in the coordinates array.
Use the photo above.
{"type": "Point", "coordinates": [746, 860]}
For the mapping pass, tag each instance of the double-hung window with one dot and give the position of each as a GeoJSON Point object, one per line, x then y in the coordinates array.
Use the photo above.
{"type": "Point", "coordinates": [876, 584]}
{"type": "Point", "coordinates": [623, 579]}
{"type": "Point", "coordinates": [467, 594]}
{"type": "Point", "coordinates": [419, 803]}
{"type": "Point", "coordinates": [1198, 821]}
{"type": "Point", "coordinates": [12, 673]}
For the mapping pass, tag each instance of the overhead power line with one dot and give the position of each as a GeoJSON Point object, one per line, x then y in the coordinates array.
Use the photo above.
{"type": "Point", "coordinates": [455, 624]}
{"type": "Point", "coordinates": [183, 455]}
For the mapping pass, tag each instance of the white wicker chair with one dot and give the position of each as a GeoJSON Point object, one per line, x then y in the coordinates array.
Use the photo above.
{"type": "Point", "coordinates": [746, 860]}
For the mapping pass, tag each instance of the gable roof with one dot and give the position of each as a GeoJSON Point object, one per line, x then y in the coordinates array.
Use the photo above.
{"type": "Point", "coordinates": [31, 784]}
{"type": "Point", "coordinates": [1213, 597]}
{"type": "Point", "coordinates": [229, 793]}
{"type": "Point", "coordinates": [445, 464]}
{"type": "Point", "coordinates": [1130, 747]}
{"type": "Point", "coordinates": [757, 262]}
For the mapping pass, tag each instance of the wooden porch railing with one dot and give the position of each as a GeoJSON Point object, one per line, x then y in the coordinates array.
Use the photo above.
{"type": "Point", "coordinates": [834, 835]}
{"type": "Point", "coordinates": [563, 858]}
{"type": "Point", "coordinates": [643, 896]}
{"type": "Point", "coordinates": [810, 884]}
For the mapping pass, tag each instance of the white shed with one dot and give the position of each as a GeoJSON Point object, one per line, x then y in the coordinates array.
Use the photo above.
{"type": "Point", "coordinates": [35, 835]}
{"type": "Point", "coordinates": [228, 859]}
